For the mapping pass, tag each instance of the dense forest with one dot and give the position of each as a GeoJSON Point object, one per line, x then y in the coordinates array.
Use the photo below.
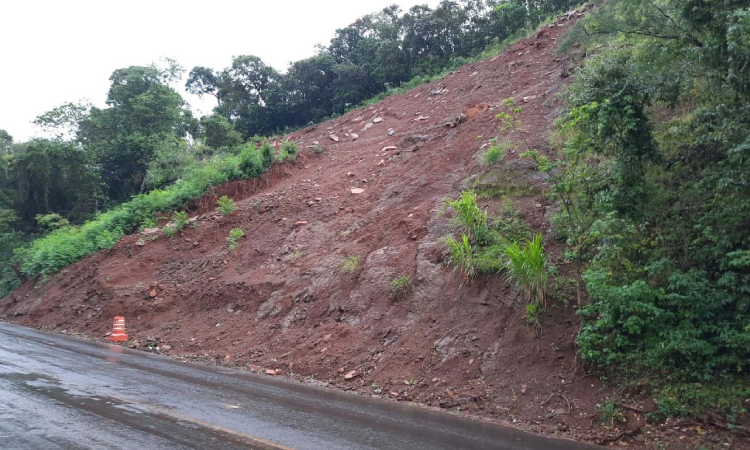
{"type": "Point", "coordinates": [654, 188]}
{"type": "Point", "coordinates": [652, 175]}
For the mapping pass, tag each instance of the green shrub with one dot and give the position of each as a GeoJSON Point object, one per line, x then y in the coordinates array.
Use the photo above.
{"type": "Point", "coordinates": [400, 286]}
{"type": "Point", "coordinates": [467, 214]}
{"type": "Point", "coordinates": [180, 219]}
{"type": "Point", "coordinates": [610, 414]}
{"type": "Point", "coordinates": [251, 161]}
{"type": "Point", "coordinates": [289, 151]}
{"type": "Point", "coordinates": [51, 222]}
{"type": "Point", "coordinates": [235, 234]}
{"type": "Point", "coordinates": [68, 245]}
{"type": "Point", "coordinates": [729, 398]}
{"type": "Point", "coordinates": [351, 264]}
{"type": "Point", "coordinates": [510, 225]}
{"type": "Point", "coordinates": [266, 151]}
{"type": "Point", "coordinates": [226, 205]}
{"type": "Point", "coordinates": [461, 255]}
{"type": "Point", "coordinates": [533, 310]}
{"type": "Point", "coordinates": [527, 267]}
{"type": "Point", "coordinates": [494, 154]}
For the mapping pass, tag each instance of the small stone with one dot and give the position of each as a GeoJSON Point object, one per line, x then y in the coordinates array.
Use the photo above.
{"type": "Point", "coordinates": [357, 190]}
{"type": "Point", "coordinates": [300, 223]}
{"type": "Point", "coordinates": [389, 148]}
{"type": "Point", "coordinates": [140, 243]}
{"type": "Point", "coordinates": [354, 136]}
{"type": "Point", "coordinates": [166, 348]}
{"type": "Point", "coordinates": [367, 126]}
{"type": "Point", "coordinates": [524, 388]}
{"type": "Point", "coordinates": [333, 137]}
{"type": "Point", "coordinates": [351, 375]}
{"type": "Point", "coordinates": [393, 394]}
{"type": "Point", "coordinates": [377, 120]}
{"type": "Point", "coordinates": [381, 163]}
{"type": "Point", "coordinates": [150, 231]}
{"type": "Point", "coordinates": [153, 293]}
{"type": "Point", "coordinates": [341, 370]}
{"type": "Point", "coordinates": [228, 358]}
{"type": "Point", "coordinates": [270, 372]}
{"type": "Point", "coordinates": [391, 132]}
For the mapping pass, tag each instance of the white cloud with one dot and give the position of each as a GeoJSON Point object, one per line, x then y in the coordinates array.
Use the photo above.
{"type": "Point", "coordinates": [54, 52]}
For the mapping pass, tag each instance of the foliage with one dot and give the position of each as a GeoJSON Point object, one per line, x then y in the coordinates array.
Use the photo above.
{"type": "Point", "coordinates": [6, 142]}
{"type": "Point", "coordinates": [43, 177]}
{"type": "Point", "coordinates": [180, 220]}
{"type": "Point", "coordinates": [266, 152]}
{"type": "Point", "coordinates": [288, 152]}
{"type": "Point", "coordinates": [235, 234]}
{"type": "Point", "coordinates": [50, 222]}
{"type": "Point", "coordinates": [468, 215]}
{"type": "Point", "coordinates": [143, 112]}
{"type": "Point", "coordinates": [62, 247]}
{"type": "Point", "coordinates": [508, 115]}
{"type": "Point", "coordinates": [611, 414]}
{"type": "Point", "coordinates": [681, 399]}
{"type": "Point", "coordinates": [10, 242]}
{"type": "Point", "coordinates": [217, 132]}
{"type": "Point", "coordinates": [655, 196]}
{"type": "Point", "coordinates": [226, 205]}
{"type": "Point", "coordinates": [462, 255]}
{"type": "Point", "coordinates": [351, 264]}
{"type": "Point", "coordinates": [400, 286]}
{"type": "Point", "coordinates": [533, 310]}
{"type": "Point", "coordinates": [527, 267]}
{"type": "Point", "coordinates": [172, 159]}
{"type": "Point", "coordinates": [494, 154]}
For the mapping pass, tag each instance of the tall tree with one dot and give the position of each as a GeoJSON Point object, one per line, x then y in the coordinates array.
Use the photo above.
{"type": "Point", "coordinates": [143, 111]}
{"type": "Point", "coordinates": [6, 142]}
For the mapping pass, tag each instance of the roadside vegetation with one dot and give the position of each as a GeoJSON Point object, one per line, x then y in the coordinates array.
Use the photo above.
{"type": "Point", "coordinates": [652, 181]}
{"type": "Point", "coordinates": [235, 234]}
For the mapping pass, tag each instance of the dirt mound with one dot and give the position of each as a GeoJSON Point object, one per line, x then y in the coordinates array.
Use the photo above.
{"type": "Point", "coordinates": [282, 302]}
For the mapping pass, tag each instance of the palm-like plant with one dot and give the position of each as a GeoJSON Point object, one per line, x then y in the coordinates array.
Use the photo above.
{"type": "Point", "coordinates": [462, 255]}
{"type": "Point", "coordinates": [527, 267]}
{"type": "Point", "coordinates": [468, 214]}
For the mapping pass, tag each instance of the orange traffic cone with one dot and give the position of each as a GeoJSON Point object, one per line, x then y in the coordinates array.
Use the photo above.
{"type": "Point", "coordinates": [118, 331]}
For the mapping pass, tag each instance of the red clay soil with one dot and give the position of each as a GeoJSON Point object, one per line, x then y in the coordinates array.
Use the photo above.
{"type": "Point", "coordinates": [281, 303]}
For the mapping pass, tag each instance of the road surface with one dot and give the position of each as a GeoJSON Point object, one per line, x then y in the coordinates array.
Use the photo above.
{"type": "Point", "coordinates": [59, 392]}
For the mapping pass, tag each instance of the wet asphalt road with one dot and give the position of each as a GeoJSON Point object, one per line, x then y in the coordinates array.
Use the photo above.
{"type": "Point", "coordinates": [58, 392]}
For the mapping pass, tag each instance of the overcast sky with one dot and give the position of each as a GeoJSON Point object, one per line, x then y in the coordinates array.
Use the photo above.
{"type": "Point", "coordinates": [59, 51]}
